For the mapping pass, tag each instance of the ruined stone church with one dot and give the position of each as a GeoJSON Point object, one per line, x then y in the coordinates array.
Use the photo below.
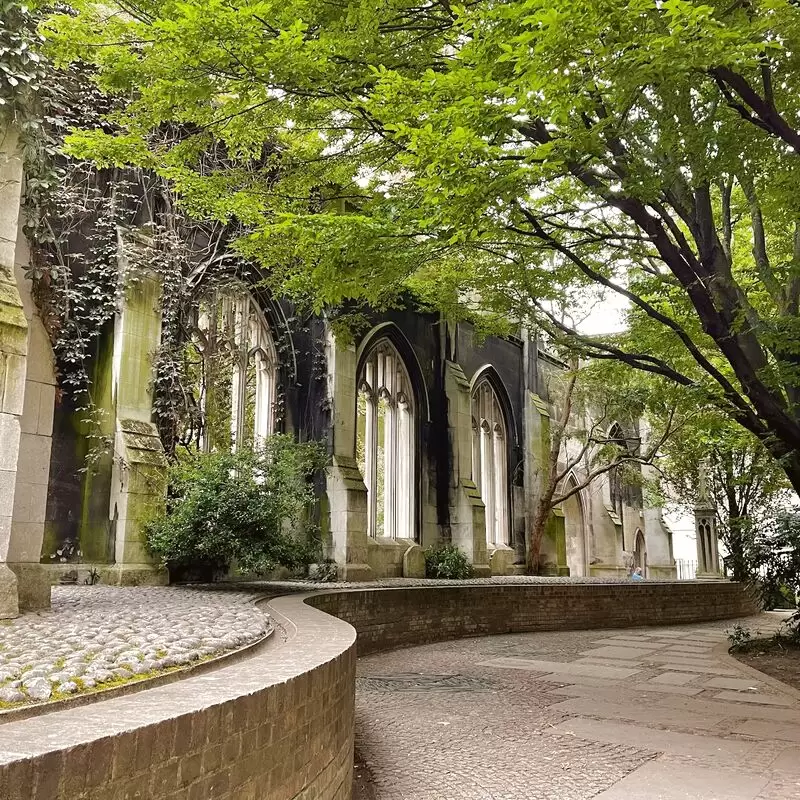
{"type": "Point", "coordinates": [434, 435]}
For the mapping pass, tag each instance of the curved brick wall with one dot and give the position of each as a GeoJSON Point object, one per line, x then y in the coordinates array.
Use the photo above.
{"type": "Point", "coordinates": [280, 725]}
{"type": "Point", "coordinates": [402, 617]}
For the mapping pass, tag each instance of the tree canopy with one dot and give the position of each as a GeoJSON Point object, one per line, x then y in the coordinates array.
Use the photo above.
{"type": "Point", "coordinates": [509, 155]}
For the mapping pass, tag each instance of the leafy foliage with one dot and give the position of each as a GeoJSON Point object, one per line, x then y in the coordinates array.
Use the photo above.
{"type": "Point", "coordinates": [447, 561]}
{"type": "Point", "coordinates": [21, 65]}
{"type": "Point", "coordinates": [240, 507]}
{"type": "Point", "coordinates": [501, 159]}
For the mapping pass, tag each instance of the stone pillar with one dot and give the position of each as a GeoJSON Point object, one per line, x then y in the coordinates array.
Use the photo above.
{"type": "Point", "coordinates": [33, 466]}
{"type": "Point", "coordinates": [705, 526]}
{"type": "Point", "coordinates": [467, 512]}
{"type": "Point", "coordinates": [347, 492]}
{"type": "Point", "coordinates": [138, 474]}
{"type": "Point", "coordinates": [13, 358]}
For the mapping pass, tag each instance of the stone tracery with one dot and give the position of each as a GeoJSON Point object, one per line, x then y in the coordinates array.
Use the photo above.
{"type": "Point", "coordinates": [386, 431]}
{"type": "Point", "coordinates": [490, 460]}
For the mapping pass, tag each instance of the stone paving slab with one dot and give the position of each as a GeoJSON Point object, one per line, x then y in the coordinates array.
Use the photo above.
{"type": "Point", "coordinates": [96, 636]}
{"type": "Point", "coordinates": [549, 720]}
{"type": "Point", "coordinates": [739, 684]}
{"type": "Point", "coordinates": [657, 780]}
{"type": "Point", "coordinates": [567, 668]}
{"type": "Point", "coordinates": [610, 662]}
{"type": "Point", "coordinates": [675, 658]}
{"type": "Point", "coordinates": [639, 692]}
{"type": "Point", "coordinates": [699, 669]}
{"type": "Point", "coordinates": [638, 712]}
{"type": "Point", "coordinates": [651, 738]}
{"type": "Point", "coordinates": [674, 678]}
{"type": "Point", "coordinates": [617, 641]}
{"type": "Point", "coordinates": [737, 710]}
{"type": "Point", "coordinates": [760, 699]}
{"type": "Point", "coordinates": [617, 653]}
{"type": "Point", "coordinates": [774, 729]}
{"type": "Point", "coordinates": [788, 761]}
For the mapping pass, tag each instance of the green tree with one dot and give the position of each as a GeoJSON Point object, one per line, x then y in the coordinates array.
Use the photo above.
{"type": "Point", "coordinates": [505, 155]}
{"type": "Point", "coordinates": [585, 444]}
{"type": "Point", "coordinates": [745, 483]}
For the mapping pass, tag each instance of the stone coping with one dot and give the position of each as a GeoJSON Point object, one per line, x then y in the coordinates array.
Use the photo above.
{"type": "Point", "coordinates": [400, 583]}
{"type": "Point", "coordinates": [313, 636]}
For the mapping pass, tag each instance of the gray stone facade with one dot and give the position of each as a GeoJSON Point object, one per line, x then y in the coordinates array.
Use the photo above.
{"type": "Point", "coordinates": [414, 461]}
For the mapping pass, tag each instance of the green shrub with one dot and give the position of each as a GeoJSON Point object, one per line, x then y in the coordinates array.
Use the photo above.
{"type": "Point", "coordinates": [447, 561]}
{"type": "Point", "coordinates": [739, 637]}
{"type": "Point", "coordinates": [238, 506]}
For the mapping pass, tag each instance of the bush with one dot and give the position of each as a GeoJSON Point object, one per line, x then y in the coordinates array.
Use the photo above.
{"type": "Point", "coordinates": [447, 561]}
{"type": "Point", "coordinates": [238, 506]}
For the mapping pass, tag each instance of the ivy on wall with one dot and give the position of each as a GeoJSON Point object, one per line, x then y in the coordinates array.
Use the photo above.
{"type": "Point", "coordinates": [94, 233]}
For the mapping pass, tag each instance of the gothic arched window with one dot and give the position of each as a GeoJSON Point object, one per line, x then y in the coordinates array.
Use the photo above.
{"type": "Point", "coordinates": [385, 442]}
{"type": "Point", "coordinates": [490, 460]}
{"type": "Point", "coordinates": [238, 371]}
{"type": "Point", "coordinates": [616, 486]}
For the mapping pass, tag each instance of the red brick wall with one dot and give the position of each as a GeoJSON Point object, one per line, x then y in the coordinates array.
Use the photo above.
{"type": "Point", "coordinates": [389, 618]}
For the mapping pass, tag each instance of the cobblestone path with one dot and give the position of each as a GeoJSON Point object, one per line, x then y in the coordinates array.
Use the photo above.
{"type": "Point", "coordinates": [101, 635]}
{"type": "Point", "coordinates": [644, 714]}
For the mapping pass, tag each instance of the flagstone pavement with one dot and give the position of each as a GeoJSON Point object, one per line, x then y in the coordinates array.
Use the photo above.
{"type": "Point", "coordinates": [635, 714]}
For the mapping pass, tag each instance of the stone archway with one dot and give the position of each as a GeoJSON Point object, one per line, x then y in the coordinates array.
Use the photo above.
{"type": "Point", "coordinates": [575, 533]}
{"type": "Point", "coordinates": [640, 553]}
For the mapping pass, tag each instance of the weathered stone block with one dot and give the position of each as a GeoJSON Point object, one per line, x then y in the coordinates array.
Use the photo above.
{"type": "Point", "coordinates": [33, 585]}
{"type": "Point", "coordinates": [9, 603]}
{"type": "Point", "coordinates": [414, 562]}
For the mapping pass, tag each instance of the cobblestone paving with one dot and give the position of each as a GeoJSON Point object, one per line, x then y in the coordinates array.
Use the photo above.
{"type": "Point", "coordinates": [96, 636]}
{"type": "Point", "coordinates": [629, 715]}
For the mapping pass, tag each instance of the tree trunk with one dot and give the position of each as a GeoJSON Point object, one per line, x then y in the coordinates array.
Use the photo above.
{"type": "Point", "coordinates": [737, 531]}
{"type": "Point", "coordinates": [536, 535]}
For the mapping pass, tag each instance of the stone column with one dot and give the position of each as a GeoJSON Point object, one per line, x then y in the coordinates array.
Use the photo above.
{"type": "Point", "coordinates": [705, 526]}
{"type": "Point", "coordinates": [347, 492]}
{"type": "Point", "coordinates": [13, 358]}
{"type": "Point", "coordinates": [467, 512]}
{"type": "Point", "coordinates": [33, 466]}
{"type": "Point", "coordinates": [138, 474]}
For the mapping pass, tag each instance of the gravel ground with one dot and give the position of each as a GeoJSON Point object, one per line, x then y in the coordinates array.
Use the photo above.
{"type": "Point", "coordinates": [97, 636]}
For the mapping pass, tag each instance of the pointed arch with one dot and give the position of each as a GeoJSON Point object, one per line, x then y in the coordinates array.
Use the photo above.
{"type": "Point", "coordinates": [616, 488]}
{"type": "Point", "coordinates": [640, 552]}
{"type": "Point", "coordinates": [390, 331]}
{"type": "Point", "coordinates": [237, 368]}
{"type": "Point", "coordinates": [386, 439]}
{"type": "Point", "coordinates": [489, 373]}
{"type": "Point", "coordinates": [491, 431]}
{"type": "Point", "coordinates": [577, 540]}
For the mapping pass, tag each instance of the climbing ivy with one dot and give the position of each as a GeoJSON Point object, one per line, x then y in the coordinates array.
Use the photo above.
{"type": "Point", "coordinates": [96, 231]}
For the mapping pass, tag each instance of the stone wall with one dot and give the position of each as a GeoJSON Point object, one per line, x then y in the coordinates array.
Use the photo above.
{"type": "Point", "coordinates": [401, 617]}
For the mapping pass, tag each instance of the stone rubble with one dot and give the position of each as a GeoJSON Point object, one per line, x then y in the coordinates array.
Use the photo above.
{"type": "Point", "coordinates": [102, 635]}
